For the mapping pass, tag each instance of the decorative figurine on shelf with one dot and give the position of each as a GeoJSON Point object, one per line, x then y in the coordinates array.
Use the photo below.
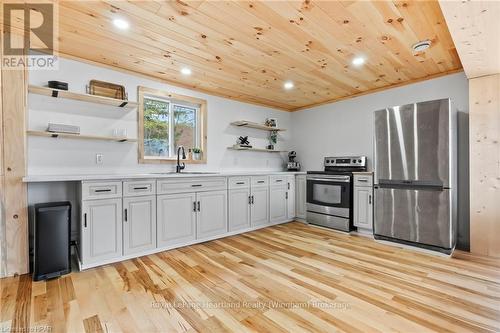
{"type": "Point", "coordinates": [243, 142]}
{"type": "Point", "coordinates": [271, 122]}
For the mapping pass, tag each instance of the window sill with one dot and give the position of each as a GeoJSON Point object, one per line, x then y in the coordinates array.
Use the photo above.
{"type": "Point", "coordinates": [163, 160]}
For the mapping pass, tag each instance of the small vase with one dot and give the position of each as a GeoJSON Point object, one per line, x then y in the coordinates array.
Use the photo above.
{"type": "Point", "coordinates": [196, 156]}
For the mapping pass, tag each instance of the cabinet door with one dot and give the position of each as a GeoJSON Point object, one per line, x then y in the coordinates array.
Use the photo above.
{"type": "Point", "coordinates": [290, 196]}
{"type": "Point", "coordinates": [239, 209]}
{"type": "Point", "coordinates": [300, 196]}
{"type": "Point", "coordinates": [212, 214]}
{"type": "Point", "coordinates": [363, 207]}
{"type": "Point", "coordinates": [259, 211]}
{"type": "Point", "coordinates": [101, 230]}
{"type": "Point", "coordinates": [278, 204]}
{"type": "Point", "coordinates": [139, 224]}
{"type": "Point", "coordinates": [176, 218]}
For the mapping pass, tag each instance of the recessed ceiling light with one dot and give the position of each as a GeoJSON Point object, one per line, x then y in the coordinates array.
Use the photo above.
{"type": "Point", "coordinates": [358, 61]}
{"type": "Point", "coordinates": [186, 71]}
{"type": "Point", "coordinates": [421, 46]}
{"type": "Point", "coordinates": [288, 85]}
{"type": "Point", "coordinates": [121, 24]}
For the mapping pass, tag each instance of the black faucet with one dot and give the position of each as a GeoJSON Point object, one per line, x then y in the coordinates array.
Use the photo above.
{"type": "Point", "coordinates": [180, 167]}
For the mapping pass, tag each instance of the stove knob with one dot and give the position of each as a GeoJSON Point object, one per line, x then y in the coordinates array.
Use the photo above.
{"type": "Point", "coordinates": [353, 161]}
{"type": "Point", "coordinates": [359, 161]}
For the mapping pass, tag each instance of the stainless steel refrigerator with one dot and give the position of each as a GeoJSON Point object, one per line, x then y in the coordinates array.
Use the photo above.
{"type": "Point", "coordinates": [415, 175]}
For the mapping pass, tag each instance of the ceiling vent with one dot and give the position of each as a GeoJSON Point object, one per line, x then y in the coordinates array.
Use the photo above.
{"type": "Point", "coordinates": [421, 46]}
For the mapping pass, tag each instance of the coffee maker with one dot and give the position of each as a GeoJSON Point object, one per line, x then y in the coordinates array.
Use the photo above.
{"type": "Point", "coordinates": [292, 165]}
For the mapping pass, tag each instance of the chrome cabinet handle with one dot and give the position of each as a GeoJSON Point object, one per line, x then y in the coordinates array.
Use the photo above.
{"type": "Point", "coordinates": [370, 199]}
{"type": "Point", "coordinates": [249, 199]}
{"type": "Point", "coordinates": [104, 190]}
{"type": "Point", "coordinates": [196, 185]}
{"type": "Point", "coordinates": [199, 206]}
{"type": "Point", "coordinates": [252, 200]}
{"type": "Point", "coordinates": [126, 214]}
{"type": "Point", "coordinates": [141, 188]}
{"type": "Point", "coordinates": [286, 195]}
{"type": "Point", "coordinates": [240, 183]}
{"type": "Point", "coordinates": [363, 180]}
{"type": "Point", "coordinates": [260, 182]}
{"type": "Point", "coordinates": [85, 220]}
{"type": "Point", "coordinates": [194, 206]}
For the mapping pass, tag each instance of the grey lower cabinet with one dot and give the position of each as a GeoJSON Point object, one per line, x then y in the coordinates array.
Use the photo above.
{"type": "Point", "coordinates": [176, 218]}
{"type": "Point", "coordinates": [139, 224]}
{"type": "Point", "coordinates": [290, 197]}
{"type": "Point", "coordinates": [184, 217]}
{"type": "Point", "coordinates": [278, 202]}
{"type": "Point", "coordinates": [363, 202]}
{"type": "Point", "coordinates": [101, 230]}
{"type": "Point", "coordinates": [300, 196]}
{"type": "Point", "coordinates": [240, 203]}
{"type": "Point", "coordinates": [259, 209]}
{"type": "Point", "coordinates": [248, 202]}
{"type": "Point", "coordinates": [211, 218]}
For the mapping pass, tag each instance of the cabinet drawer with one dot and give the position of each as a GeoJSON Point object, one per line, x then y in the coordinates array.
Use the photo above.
{"type": "Point", "coordinates": [239, 182]}
{"type": "Point", "coordinates": [278, 180]}
{"type": "Point", "coordinates": [101, 190]}
{"type": "Point", "coordinates": [139, 187]}
{"type": "Point", "coordinates": [363, 180]}
{"type": "Point", "coordinates": [259, 181]}
{"type": "Point", "coordinates": [185, 185]}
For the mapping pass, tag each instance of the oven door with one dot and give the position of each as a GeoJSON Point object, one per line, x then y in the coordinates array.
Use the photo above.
{"type": "Point", "coordinates": [329, 194]}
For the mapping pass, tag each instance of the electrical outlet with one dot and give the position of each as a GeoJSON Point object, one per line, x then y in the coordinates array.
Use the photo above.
{"type": "Point", "coordinates": [99, 158]}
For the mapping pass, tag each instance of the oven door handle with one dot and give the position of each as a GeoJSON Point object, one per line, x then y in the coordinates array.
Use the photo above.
{"type": "Point", "coordinates": [331, 180]}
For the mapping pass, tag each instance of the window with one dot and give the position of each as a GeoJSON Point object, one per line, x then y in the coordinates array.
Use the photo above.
{"type": "Point", "coordinates": [168, 121]}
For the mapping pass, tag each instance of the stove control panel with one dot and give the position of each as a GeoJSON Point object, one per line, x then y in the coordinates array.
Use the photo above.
{"type": "Point", "coordinates": [345, 161]}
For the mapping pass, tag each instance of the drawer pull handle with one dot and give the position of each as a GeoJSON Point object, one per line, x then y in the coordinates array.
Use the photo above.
{"type": "Point", "coordinates": [104, 190]}
{"type": "Point", "coordinates": [363, 180]}
{"type": "Point", "coordinates": [279, 180]}
{"type": "Point", "coordinates": [85, 220]}
{"type": "Point", "coordinates": [141, 188]}
{"type": "Point", "coordinates": [240, 183]}
{"type": "Point", "coordinates": [260, 182]}
{"type": "Point", "coordinates": [194, 206]}
{"type": "Point", "coordinates": [126, 214]}
{"type": "Point", "coordinates": [199, 208]}
{"type": "Point", "coordinates": [196, 185]}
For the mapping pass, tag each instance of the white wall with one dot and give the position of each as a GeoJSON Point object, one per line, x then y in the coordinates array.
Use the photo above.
{"type": "Point", "coordinates": [67, 156]}
{"type": "Point", "coordinates": [346, 128]}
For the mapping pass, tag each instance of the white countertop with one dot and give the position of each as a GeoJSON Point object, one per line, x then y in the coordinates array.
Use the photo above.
{"type": "Point", "coordinates": [186, 174]}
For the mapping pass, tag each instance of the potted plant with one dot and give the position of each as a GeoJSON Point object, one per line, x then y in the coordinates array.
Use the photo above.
{"type": "Point", "coordinates": [197, 153]}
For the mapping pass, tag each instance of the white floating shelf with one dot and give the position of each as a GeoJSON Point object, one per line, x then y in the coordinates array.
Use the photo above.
{"type": "Point", "coordinates": [259, 149]}
{"type": "Point", "coordinates": [57, 93]}
{"type": "Point", "coordinates": [79, 136]}
{"type": "Point", "coordinates": [244, 123]}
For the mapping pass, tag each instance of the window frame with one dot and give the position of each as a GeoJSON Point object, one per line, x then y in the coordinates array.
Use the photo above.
{"type": "Point", "coordinates": [172, 99]}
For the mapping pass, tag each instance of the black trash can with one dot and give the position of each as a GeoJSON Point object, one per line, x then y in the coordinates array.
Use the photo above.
{"type": "Point", "coordinates": [52, 226]}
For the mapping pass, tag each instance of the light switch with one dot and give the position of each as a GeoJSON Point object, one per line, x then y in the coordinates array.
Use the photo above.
{"type": "Point", "coordinates": [99, 158]}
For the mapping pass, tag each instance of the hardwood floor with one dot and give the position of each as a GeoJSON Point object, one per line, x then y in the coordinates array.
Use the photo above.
{"type": "Point", "coordinates": [290, 277]}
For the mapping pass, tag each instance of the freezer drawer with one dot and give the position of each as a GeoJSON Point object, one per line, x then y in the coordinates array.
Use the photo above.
{"type": "Point", "coordinates": [421, 216]}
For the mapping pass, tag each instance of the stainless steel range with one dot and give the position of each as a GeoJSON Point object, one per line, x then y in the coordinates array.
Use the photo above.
{"type": "Point", "coordinates": [329, 192]}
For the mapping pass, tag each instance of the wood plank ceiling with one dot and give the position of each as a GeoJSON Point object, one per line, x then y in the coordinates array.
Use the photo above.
{"type": "Point", "coordinates": [246, 50]}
